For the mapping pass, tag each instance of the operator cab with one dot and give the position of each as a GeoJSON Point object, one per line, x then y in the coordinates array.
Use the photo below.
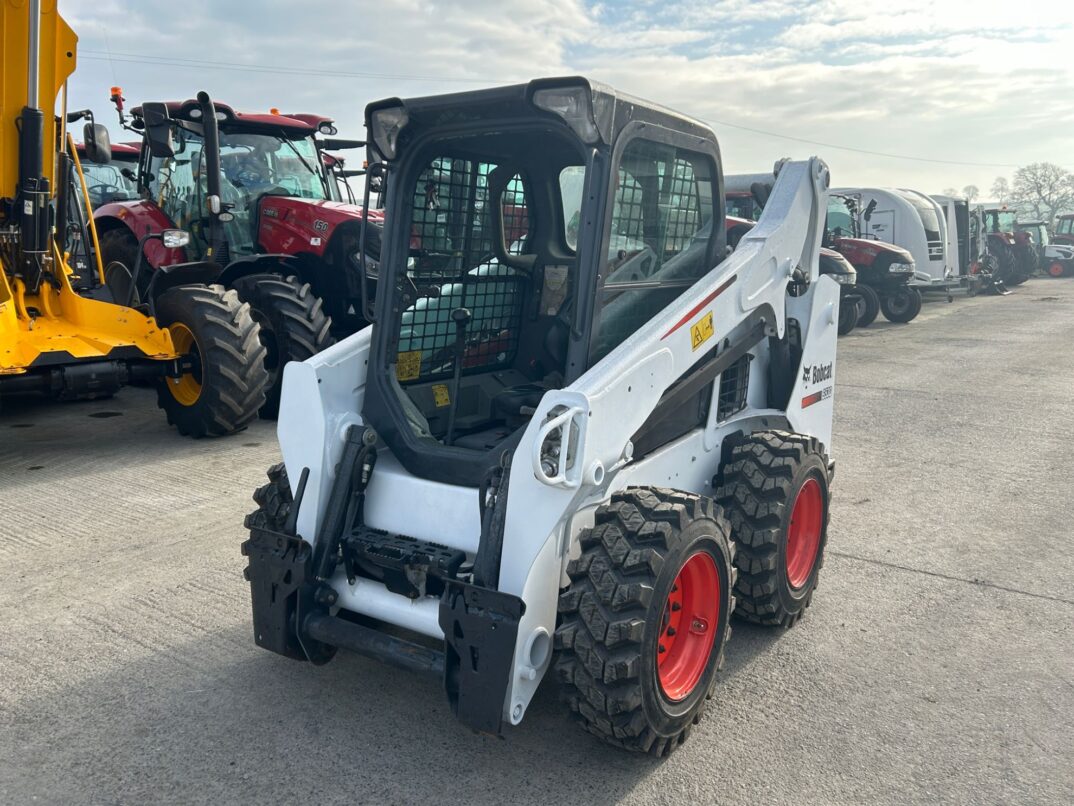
{"type": "Point", "coordinates": [841, 221]}
{"type": "Point", "coordinates": [260, 155]}
{"type": "Point", "coordinates": [114, 180]}
{"type": "Point", "coordinates": [529, 231]}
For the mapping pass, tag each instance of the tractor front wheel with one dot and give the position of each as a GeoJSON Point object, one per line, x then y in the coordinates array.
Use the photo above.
{"type": "Point", "coordinates": [902, 306]}
{"type": "Point", "coordinates": [775, 493]}
{"type": "Point", "coordinates": [1056, 269]}
{"type": "Point", "coordinates": [218, 339]}
{"type": "Point", "coordinates": [644, 621]}
{"type": "Point", "coordinates": [119, 254]}
{"type": "Point", "coordinates": [872, 305]}
{"type": "Point", "coordinates": [293, 325]}
{"type": "Point", "coordinates": [849, 311]}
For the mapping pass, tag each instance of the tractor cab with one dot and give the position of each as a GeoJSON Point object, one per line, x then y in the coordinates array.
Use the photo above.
{"type": "Point", "coordinates": [1036, 230]}
{"type": "Point", "coordinates": [114, 180]}
{"type": "Point", "coordinates": [843, 234]}
{"type": "Point", "coordinates": [523, 243]}
{"type": "Point", "coordinates": [842, 218]}
{"type": "Point", "coordinates": [742, 204]}
{"type": "Point", "coordinates": [260, 156]}
{"type": "Point", "coordinates": [1001, 221]}
{"type": "Point", "coordinates": [1064, 229]}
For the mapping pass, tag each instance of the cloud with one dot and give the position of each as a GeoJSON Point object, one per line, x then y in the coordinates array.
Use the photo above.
{"type": "Point", "coordinates": [967, 82]}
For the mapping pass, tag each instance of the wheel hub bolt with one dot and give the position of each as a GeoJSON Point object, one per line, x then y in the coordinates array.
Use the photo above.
{"type": "Point", "coordinates": [699, 625]}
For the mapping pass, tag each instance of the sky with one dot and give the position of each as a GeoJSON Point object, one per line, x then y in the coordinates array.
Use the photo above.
{"type": "Point", "coordinates": [945, 93]}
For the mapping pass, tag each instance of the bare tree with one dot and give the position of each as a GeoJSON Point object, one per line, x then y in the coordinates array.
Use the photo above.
{"type": "Point", "coordinates": [1045, 188]}
{"type": "Point", "coordinates": [1001, 189]}
{"type": "Point", "coordinates": [971, 192]}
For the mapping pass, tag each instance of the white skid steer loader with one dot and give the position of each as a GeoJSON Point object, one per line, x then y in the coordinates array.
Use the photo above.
{"type": "Point", "coordinates": [577, 433]}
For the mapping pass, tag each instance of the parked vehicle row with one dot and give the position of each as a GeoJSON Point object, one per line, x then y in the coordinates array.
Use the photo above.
{"type": "Point", "coordinates": [902, 243]}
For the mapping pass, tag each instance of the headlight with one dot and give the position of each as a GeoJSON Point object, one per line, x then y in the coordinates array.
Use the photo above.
{"type": "Point", "coordinates": [844, 279]}
{"type": "Point", "coordinates": [386, 124]}
{"type": "Point", "coordinates": [901, 268]}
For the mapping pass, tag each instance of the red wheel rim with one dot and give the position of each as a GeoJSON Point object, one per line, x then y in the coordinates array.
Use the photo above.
{"type": "Point", "coordinates": [803, 534]}
{"type": "Point", "coordinates": [1056, 270]}
{"type": "Point", "coordinates": [688, 627]}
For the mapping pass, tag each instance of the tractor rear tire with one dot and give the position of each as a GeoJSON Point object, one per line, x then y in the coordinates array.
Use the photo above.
{"type": "Point", "coordinates": [1006, 263]}
{"type": "Point", "coordinates": [872, 305]}
{"type": "Point", "coordinates": [902, 306]}
{"type": "Point", "coordinates": [227, 385]}
{"type": "Point", "coordinates": [775, 491]}
{"type": "Point", "coordinates": [293, 326]}
{"type": "Point", "coordinates": [645, 619]}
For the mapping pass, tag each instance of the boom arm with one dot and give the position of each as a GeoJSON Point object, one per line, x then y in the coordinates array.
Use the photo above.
{"type": "Point", "coordinates": [56, 61]}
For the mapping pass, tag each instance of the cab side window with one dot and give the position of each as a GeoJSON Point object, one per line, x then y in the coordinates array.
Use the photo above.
{"type": "Point", "coordinates": [661, 231]}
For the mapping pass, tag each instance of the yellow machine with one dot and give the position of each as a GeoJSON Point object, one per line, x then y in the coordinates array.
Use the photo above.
{"type": "Point", "coordinates": [68, 328]}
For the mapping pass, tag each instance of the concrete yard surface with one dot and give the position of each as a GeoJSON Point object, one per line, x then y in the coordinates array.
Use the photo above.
{"type": "Point", "coordinates": [936, 664]}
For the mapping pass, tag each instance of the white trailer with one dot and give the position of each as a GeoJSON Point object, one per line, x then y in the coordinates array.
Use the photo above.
{"type": "Point", "coordinates": [913, 221]}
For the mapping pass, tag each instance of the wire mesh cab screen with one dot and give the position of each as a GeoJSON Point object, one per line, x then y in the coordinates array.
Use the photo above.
{"type": "Point", "coordinates": [452, 265]}
{"type": "Point", "coordinates": [661, 228]}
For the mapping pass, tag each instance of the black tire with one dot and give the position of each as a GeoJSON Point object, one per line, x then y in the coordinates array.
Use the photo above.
{"type": "Point", "coordinates": [872, 305]}
{"type": "Point", "coordinates": [901, 306]}
{"type": "Point", "coordinates": [273, 502]}
{"type": "Point", "coordinates": [229, 373]}
{"type": "Point", "coordinates": [1025, 264]}
{"type": "Point", "coordinates": [848, 315]}
{"type": "Point", "coordinates": [120, 246]}
{"type": "Point", "coordinates": [1006, 264]}
{"type": "Point", "coordinates": [761, 486]}
{"type": "Point", "coordinates": [612, 617]}
{"type": "Point", "coordinates": [293, 325]}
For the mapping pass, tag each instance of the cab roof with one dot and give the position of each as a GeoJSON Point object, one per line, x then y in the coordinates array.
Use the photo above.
{"type": "Point", "coordinates": [612, 110]}
{"type": "Point", "coordinates": [299, 123]}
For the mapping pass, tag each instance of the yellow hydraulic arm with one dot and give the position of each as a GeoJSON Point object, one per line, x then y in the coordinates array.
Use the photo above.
{"type": "Point", "coordinates": [58, 49]}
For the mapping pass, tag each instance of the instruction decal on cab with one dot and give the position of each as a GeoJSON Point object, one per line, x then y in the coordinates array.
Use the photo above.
{"type": "Point", "coordinates": [408, 365]}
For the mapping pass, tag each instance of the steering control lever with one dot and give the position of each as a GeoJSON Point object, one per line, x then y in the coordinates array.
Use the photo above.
{"type": "Point", "coordinates": [461, 317]}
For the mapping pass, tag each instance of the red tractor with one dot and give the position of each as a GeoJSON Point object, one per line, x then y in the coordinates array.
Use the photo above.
{"type": "Point", "coordinates": [884, 269]}
{"type": "Point", "coordinates": [1015, 252]}
{"type": "Point", "coordinates": [261, 197]}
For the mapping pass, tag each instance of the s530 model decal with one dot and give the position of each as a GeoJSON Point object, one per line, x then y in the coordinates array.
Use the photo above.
{"type": "Point", "coordinates": [816, 397]}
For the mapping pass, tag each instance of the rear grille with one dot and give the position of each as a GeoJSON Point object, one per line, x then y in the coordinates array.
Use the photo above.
{"type": "Point", "coordinates": [734, 384]}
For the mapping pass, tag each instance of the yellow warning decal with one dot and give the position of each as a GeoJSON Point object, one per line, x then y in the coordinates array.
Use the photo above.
{"type": "Point", "coordinates": [701, 331]}
{"type": "Point", "coordinates": [441, 396]}
{"type": "Point", "coordinates": [408, 365]}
